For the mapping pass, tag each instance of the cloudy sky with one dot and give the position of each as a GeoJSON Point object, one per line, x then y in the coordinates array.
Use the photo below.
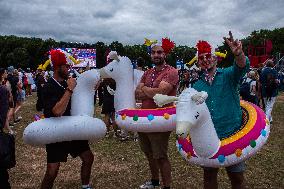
{"type": "Point", "coordinates": [130, 21]}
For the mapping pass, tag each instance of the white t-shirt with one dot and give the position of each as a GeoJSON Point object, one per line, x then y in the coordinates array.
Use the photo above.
{"type": "Point", "coordinates": [253, 83]}
{"type": "Point", "coordinates": [30, 78]}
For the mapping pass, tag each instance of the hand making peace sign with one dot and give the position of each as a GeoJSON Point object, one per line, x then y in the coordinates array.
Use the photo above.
{"type": "Point", "coordinates": [235, 45]}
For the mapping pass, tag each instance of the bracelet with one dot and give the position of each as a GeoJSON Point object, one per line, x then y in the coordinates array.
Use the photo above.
{"type": "Point", "coordinates": [69, 90]}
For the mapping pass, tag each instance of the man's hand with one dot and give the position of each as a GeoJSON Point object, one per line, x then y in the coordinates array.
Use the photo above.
{"type": "Point", "coordinates": [235, 45]}
{"type": "Point", "coordinates": [71, 83]}
{"type": "Point", "coordinates": [199, 97]}
{"type": "Point", "coordinates": [139, 94]}
{"type": "Point", "coordinates": [237, 49]}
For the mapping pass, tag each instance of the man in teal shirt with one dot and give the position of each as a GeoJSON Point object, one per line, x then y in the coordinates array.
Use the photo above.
{"type": "Point", "coordinates": [222, 86]}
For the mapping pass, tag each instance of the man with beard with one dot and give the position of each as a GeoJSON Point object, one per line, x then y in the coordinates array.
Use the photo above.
{"type": "Point", "coordinates": [56, 98]}
{"type": "Point", "coordinates": [223, 102]}
{"type": "Point", "coordinates": [162, 79]}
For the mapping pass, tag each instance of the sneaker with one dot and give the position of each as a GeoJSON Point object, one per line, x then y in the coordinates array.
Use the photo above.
{"type": "Point", "coordinates": [124, 138]}
{"type": "Point", "coordinates": [107, 134]}
{"type": "Point", "coordinates": [148, 185]}
{"type": "Point", "coordinates": [18, 119]}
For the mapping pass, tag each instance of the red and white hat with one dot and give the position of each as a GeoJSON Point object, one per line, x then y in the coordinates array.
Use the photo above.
{"type": "Point", "coordinates": [59, 57]}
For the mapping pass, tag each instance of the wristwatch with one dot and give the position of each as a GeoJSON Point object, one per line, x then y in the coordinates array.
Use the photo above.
{"type": "Point", "coordinates": [69, 90]}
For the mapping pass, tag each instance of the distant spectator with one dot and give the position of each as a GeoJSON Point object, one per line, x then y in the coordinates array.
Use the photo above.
{"type": "Point", "coordinates": [30, 82]}
{"type": "Point", "coordinates": [108, 105]}
{"type": "Point", "coordinates": [269, 83]}
{"type": "Point", "coordinates": [40, 81]}
{"type": "Point", "coordinates": [13, 80]}
{"type": "Point", "coordinates": [4, 106]}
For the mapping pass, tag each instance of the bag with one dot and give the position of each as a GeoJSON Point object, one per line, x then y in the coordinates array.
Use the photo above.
{"type": "Point", "coordinates": [7, 150]}
{"type": "Point", "coordinates": [270, 85]}
{"type": "Point", "coordinates": [245, 89]}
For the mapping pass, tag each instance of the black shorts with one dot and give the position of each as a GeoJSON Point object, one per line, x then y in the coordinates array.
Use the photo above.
{"type": "Point", "coordinates": [58, 152]}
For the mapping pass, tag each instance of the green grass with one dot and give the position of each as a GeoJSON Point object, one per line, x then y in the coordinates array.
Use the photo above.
{"type": "Point", "coordinates": [122, 165]}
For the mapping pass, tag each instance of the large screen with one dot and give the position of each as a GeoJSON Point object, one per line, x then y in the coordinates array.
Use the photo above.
{"type": "Point", "coordinates": [83, 56]}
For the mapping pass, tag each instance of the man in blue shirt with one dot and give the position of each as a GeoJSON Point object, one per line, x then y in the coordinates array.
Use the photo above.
{"type": "Point", "coordinates": [269, 87]}
{"type": "Point", "coordinates": [222, 86]}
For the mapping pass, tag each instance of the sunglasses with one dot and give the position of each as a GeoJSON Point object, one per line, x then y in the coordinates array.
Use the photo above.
{"type": "Point", "coordinates": [204, 57]}
{"type": "Point", "coordinates": [158, 52]}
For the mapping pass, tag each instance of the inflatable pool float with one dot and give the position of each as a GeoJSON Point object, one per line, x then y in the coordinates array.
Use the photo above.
{"type": "Point", "coordinates": [197, 140]}
{"type": "Point", "coordinates": [147, 120]}
{"type": "Point", "coordinates": [236, 148]}
{"type": "Point", "coordinates": [81, 125]}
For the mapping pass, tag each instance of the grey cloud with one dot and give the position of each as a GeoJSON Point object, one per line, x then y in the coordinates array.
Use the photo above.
{"type": "Point", "coordinates": [130, 21]}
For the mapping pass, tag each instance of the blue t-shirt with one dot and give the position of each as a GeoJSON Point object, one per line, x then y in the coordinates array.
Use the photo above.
{"type": "Point", "coordinates": [223, 99]}
{"type": "Point", "coordinates": [263, 80]}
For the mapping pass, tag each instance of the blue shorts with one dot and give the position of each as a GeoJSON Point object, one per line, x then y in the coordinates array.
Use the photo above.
{"type": "Point", "coordinates": [237, 168]}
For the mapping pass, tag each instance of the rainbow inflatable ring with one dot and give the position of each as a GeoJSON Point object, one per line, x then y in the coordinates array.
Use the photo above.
{"type": "Point", "coordinates": [147, 120]}
{"type": "Point", "coordinates": [236, 148]}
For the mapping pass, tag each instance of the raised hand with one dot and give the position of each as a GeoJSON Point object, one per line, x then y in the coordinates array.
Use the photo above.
{"type": "Point", "coordinates": [235, 45]}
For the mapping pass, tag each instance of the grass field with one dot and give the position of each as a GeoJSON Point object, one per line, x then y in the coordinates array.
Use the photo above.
{"type": "Point", "coordinates": [122, 165]}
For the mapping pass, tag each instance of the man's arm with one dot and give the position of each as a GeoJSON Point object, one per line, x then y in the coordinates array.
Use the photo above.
{"type": "Point", "coordinates": [164, 88]}
{"type": "Point", "coordinates": [61, 105]}
{"type": "Point", "coordinates": [139, 94]}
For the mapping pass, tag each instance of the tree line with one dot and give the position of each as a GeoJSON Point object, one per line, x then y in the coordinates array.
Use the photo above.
{"type": "Point", "coordinates": [27, 52]}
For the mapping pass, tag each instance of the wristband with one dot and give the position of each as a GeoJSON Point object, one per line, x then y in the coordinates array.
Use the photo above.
{"type": "Point", "coordinates": [69, 90]}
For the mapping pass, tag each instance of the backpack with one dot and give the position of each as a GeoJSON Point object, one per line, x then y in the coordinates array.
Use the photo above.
{"type": "Point", "coordinates": [245, 89]}
{"type": "Point", "coordinates": [270, 85]}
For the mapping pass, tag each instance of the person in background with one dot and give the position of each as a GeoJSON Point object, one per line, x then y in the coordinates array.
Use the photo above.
{"type": "Point", "coordinates": [20, 94]}
{"type": "Point", "coordinates": [13, 81]}
{"type": "Point", "coordinates": [4, 107]}
{"type": "Point", "coordinates": [40, 81]}
{"type": "Point", "coordinates": [251, 81]}
{"type": "Point", "coordinates": [30, 82]}
{"type": "Point", "coordinates": [269, 84]}
{"type": "Point", "coordinates": [108, 106]}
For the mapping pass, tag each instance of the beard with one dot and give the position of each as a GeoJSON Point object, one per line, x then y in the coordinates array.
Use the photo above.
{"type": "Point", "coordinates": [63, 74]}
{"type": "Point", "coordinates": [158, 61]}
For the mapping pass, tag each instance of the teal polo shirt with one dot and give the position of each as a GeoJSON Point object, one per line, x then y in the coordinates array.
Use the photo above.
{"type": "Point", "coordinates": [223, 99]}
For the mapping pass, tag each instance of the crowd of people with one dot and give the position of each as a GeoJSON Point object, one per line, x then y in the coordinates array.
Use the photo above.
{"type": "Point", "coordinates": [54, 91]}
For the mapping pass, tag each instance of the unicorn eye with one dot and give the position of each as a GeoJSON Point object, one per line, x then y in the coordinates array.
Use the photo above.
{"type": "Point", "coordinates": [111, 70]}
{"type": "Point", "coordinates": [197, 115]}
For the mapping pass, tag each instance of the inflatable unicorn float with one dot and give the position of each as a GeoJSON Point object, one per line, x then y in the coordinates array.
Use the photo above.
{"type": "Point", "coordinates": [127, 116]}
{"type": "Point", "coordinates": [197, 140]}
{"type": "Point", "coordinates": [81, 125]}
